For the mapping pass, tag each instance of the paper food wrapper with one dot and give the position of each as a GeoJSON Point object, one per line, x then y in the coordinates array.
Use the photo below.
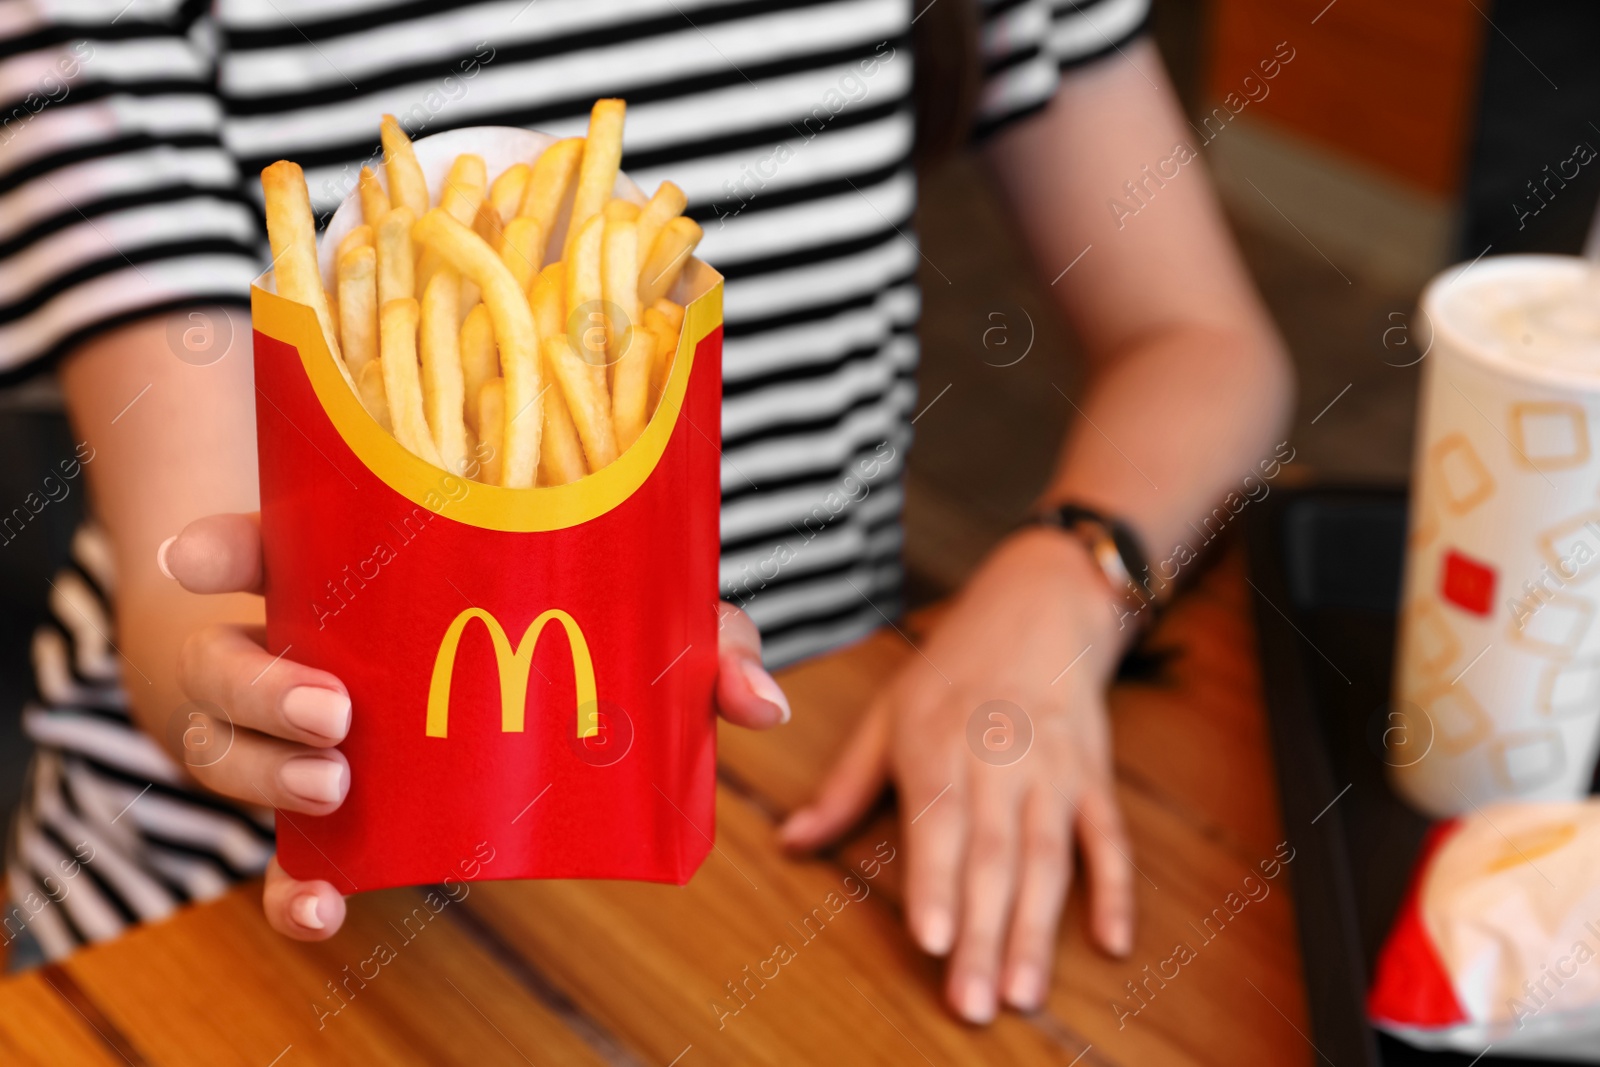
{"type": "Point", "coordinates": [1498, 940]}
{"type": "Point", "coordinates": [1497, 674]}
{"type": "Point", "coordinates": [531, 670]}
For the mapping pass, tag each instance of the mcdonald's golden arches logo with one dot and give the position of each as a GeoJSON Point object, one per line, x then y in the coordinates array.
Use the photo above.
{"type": "Point", "coordinates": [513, 665]}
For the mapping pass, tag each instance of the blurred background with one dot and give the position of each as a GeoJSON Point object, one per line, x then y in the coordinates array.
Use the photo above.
{"type": "Point", "coordinates": [1399, 139]}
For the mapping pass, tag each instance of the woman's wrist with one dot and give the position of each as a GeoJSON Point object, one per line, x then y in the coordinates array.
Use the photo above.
{"type": "Point", "coordinates": [1060, 560]}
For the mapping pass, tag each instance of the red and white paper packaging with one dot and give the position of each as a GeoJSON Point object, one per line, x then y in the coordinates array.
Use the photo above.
{"type": "Point", "coordinates": [1498, 940]}
{"type": "Point", "coordinates": [531, 669]}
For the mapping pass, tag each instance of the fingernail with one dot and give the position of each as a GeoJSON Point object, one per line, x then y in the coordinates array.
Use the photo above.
{"type": "Point", "coordinates": [1025, 989]}
{"type": "Point", "coordinates": [766, 687]}
{"type": "Point", "coordinates": [796, 826]}
{"type": "Point", "coordinates": [324, 712]}
{"type": "Point", "coordinates": [304, 911]}
{"type": "Point", "coordinates": [1120, 940]}
{"type": "Point", "coordinates": [320, 781]}
{"type": "Point", "coordinates": [936, 932]}
{"type": "Point", "coordinates": [975, 1000]}
{"type": "Point", "coordinates": [161, 557]}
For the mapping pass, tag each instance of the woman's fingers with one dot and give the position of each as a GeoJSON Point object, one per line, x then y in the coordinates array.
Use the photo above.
{"type": "Point", "coordinates": [934, 807]}
{"type": "Point", "coordinates": [305, 911]}
{"type": "Point", "coordinates": [216, 554]}
{"type": "Point", "coordinates": [1046, 874]}
{"type": "Point", "coordinates": [226, 666]}
{"type": "Point", "coordinates": [1106, 852]}
{"type": "Point", "coordinates": [746, 694]}
{"type": "Point", "coordinates": [989, 886]}
{"type": "Point", "coordinates": [258, 769]}
{"type": "Point", "coordinates": [854, 783]}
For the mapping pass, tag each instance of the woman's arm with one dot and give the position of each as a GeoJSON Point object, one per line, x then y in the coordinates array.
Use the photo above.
{"type": "Point", "coordinates": [1188, 384]}
{"type": "Point", "coordinates": [173, 442]}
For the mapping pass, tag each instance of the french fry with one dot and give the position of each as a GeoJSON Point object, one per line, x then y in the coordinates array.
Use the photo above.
{"type": "Point", "coordinates": [407, 187]}
{"type": "Point", "coordinates": [665, 332]}
{"type": "Point", "coordinates": [486, 224]}
{"type": "Point", "coordinates": [672, 250]}
{"type": "Point", "coordinates": [443, 382]}
{"type": "Point", "coordinates": [657, 320]}
{"type": "Point", "coordinates": [357, 272]}
{"type": "Point", "coordinates": [522, 249]}
{"type": "Point", "coordinates": [597, 174]}
{"type": "Point", "coordinates": [359, 235]}
{"type": "Point", "coordinates": [369, 384]}
{"type": "Point", "coordinates": [586, 315]}
{"type": "Point", "coordinates": [396, 261]}
{"type": "Point", "coordinates": [492, 417]}
{"type": "Point", "coordinates": [550, 183]}
{"type": "Point", "coordinates": [402, 384]}
{"type": "Point", "coordinates": [479, 360]}
{"type": "Point", "coordinates": [630, 395]}
{"type": "Point", "coordinates": [561, 457]}
{"type": "Point", "coordinates": [505, 195]}
{"type": "Point", "coordinates": [658, 380]}
{"type": "Point", "coordinates": [591, 412]}
{"type": "Point", "coordinates": [374, 201]}
{"type": "Point", "coordinates": [293, 236]}
{"type": "Point", "coordinates": [629, 357]}
{"type": "Point", "coordinates": [673, 312]}
{"type": "Point", "coordinates": [464, 188]}
{"type": "Point", "coordinates": [622, 211]}
{"type": "Point", "coordinates": [514, 330]}
{"type": "Point", "coordinates": [462, 195]}
{"type": "Point", "coordinates": [561, 434]}
{"type": "Point", "coordinates": [666, 205]}
{"type": "Point", "coordinates": [549, 300]}
{"type": "Point", "coordinates": [561, 366]}
{"type": "Point", "coordinates": [619, 272]}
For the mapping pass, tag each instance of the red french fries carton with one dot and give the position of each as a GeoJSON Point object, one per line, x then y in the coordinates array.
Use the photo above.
{"type": "Point", "coordinates": [531, 670]}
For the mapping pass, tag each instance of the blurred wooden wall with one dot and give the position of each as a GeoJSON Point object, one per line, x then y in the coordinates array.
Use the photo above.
{"type": "Point", "coordinates": [1390, 84]}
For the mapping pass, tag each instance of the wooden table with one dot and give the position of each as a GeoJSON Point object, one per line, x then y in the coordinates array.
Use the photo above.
{"type": "Point", "coordinates": [621, 973]}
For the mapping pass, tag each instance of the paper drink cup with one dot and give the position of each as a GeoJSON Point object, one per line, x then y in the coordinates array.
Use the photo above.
{"type": "Point", "coordinates": [1497, 680]}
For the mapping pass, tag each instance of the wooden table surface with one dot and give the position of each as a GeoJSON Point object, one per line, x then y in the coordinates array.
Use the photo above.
{"type": "Point", "coordinates": [624, 973]}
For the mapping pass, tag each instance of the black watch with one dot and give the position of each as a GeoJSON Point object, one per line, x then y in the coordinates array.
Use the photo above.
{"type": "Point", "coordinates": [1116, 551]}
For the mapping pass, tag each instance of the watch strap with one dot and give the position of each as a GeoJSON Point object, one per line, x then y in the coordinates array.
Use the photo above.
{"type": "Point", "coordinates": [1116, 551]}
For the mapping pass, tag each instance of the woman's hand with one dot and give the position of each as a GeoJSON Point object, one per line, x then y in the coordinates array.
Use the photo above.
{"type": "Point", "coordinates": [989, 831]}
{"type": "Point", "coordinates": [288, 719]}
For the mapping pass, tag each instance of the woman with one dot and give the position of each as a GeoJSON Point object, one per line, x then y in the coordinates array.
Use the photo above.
{"type": "Point", "coordinates": [130, 209]}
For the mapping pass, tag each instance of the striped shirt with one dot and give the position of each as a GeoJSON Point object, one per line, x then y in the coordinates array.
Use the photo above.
{"type": "Point", "coordinates": [131, 135]}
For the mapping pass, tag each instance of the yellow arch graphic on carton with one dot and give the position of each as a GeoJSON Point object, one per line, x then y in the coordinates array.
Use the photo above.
{"type": "Point", "coordinates": [553, 507]}
{"type": "Point", "coordinates": [513, 666]}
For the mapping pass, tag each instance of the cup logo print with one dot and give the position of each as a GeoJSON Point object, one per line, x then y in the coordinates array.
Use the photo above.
{"type": "Point", "coordinates": [513, 666]}
{"type": "Point", "coordinates": [999, 732]}
{"type": "Point", "coordinates": [200, 336]}
{"type": "Point", "coordinates": [200, 732]}
{"type": "Point", "coordinates": [1400, 734]}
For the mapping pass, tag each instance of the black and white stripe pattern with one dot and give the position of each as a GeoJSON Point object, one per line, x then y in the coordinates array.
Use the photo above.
{"type": "Point", "coordinates": [130, 140]}
{"type": "Point", "coordinates": [127, 186]}
{"type": "Point", "coordinates": [109, 832]}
